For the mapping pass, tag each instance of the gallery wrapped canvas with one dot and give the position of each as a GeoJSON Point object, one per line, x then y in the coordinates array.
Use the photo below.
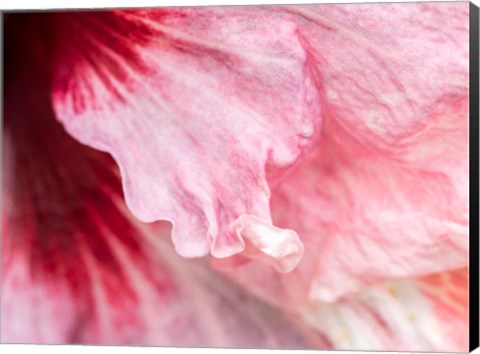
{"type": "Point", "coordinates": [238, 176]}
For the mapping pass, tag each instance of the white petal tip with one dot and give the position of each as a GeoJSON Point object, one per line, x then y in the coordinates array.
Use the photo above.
{"type": "Point", "coordinates": [280, 248]}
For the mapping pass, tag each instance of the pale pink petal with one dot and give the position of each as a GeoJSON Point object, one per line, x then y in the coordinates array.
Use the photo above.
{"type": "Point", "coordinates": [384, 69]}
{"type": "Point", "coordinates": [381, 196]}
{"type": "Point", "coordinates": [78, 268]}
{"type": "Point", "coordinates": [373, 204]}
{"type": "Point", "coordinates": [216, 96]}
{"type": "Point", "coordinates": [365, 218]}
{"type": "Point", "coordinates": [385, 193]}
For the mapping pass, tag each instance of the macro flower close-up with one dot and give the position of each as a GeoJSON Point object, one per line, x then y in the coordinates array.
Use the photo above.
{"type": "Point", "coordinates": [237, 176]}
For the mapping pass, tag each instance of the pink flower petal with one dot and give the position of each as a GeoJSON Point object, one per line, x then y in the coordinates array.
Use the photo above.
{"type": "Point", "coordinates": [389, 200]}
{"type": "Point", "coordinates": [374, 204]}
{"type": "Point", "coordinates": [381, 195]}
{"type": "Point", "coordinates": [377, 202]}
{"type": "Point", "coordinates": [78, 268]}
{"type": "Point", "coordinates": [224, 94]}
{"type": "Point", "coordinates": [384, 69]}
{"type": "Point", "coordinates": [365, 217]}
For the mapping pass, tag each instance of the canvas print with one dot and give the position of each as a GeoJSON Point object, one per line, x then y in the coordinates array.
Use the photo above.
{"type": "Point", "coordinates": [237, 176]}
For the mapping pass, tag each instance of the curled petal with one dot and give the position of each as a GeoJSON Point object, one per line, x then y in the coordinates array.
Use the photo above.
{"type": "Point", "coordinates": [221, 95]}
{"type": "Point", "coordinates": [384, 193]}
{"type": "Point", "coordinates": [78, 268]}
{"type": "Point", "coordinates": [278, 247]}
{"type": "Point", "coordinates": [388, 198]}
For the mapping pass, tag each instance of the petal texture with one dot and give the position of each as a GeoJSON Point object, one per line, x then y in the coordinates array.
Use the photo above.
{"type": "Point", "coordinates": [223, 95]}
{"type": "Point", "coordinates": [376, 204]}
{"type": "Point", "coordinates": [385, 192]}
{"type": "Point", "coordinates": [383, 196]}
{"type": "Point", "coordinates": [385, 68]}
{"type": "Point", "coordinates": [78, 268]}
{"type": "Point", "coordinates": [200, 108]}
{"type": "Point", "coordinates": [365, 217]}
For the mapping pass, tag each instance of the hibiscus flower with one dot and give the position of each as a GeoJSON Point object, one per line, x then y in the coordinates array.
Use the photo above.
{"type": "Point", "coordinates": [268, 177]}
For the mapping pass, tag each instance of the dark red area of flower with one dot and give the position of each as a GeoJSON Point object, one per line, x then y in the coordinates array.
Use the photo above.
{"type": "Point", "coordinates": [64, 193]}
